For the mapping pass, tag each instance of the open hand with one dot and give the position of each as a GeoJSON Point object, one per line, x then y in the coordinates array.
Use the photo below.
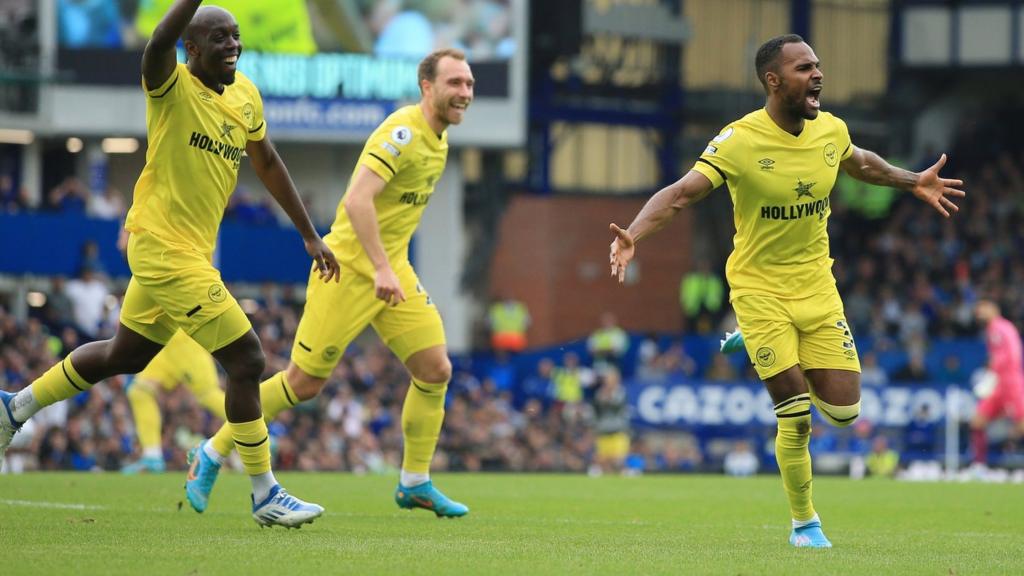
{"type": "Point", "coordinates": [935, 190]}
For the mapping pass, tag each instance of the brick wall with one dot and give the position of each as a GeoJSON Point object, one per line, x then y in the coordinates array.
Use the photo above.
{"type": "Point", "coordinates": [553, 255]}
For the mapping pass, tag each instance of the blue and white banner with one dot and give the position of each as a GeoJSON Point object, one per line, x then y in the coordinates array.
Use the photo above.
{"type": "Point", "coordinates": [679, 404]}
{"type": "Point", "coordinates": [322, 115]}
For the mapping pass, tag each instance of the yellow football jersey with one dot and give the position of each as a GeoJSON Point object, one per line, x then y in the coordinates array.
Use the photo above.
{"type": "Point", "coordinates": [410, 157]}
{"type": "Point", "coordinates": [780, 186]}
{"type": "Point", "coordinates": [196, 141]}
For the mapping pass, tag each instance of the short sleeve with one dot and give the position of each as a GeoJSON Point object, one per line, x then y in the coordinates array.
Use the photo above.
{"type": "Point", "coordinates": [721, 158]}
{"type": "Point", "coordinates": [257, 124]}
{"type": "Point", "coordinates": [387, 149]}
{"type": "Point", "coordinates": [171, 89]}
{"type": "Point", "coordinates": [845, 143]}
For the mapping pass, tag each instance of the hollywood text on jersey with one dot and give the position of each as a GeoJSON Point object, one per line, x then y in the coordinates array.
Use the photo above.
{"type": "Point", "coordinates": [795, 211]}
{"type": "Point", "coordinates": [220, 148]}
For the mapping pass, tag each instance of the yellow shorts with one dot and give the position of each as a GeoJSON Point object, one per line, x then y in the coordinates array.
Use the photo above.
{"type": "Point", "coordinates": [613, 446]}
{"type": "Point", "coordinates": [780, 333]}
{"type": "Point", "coordinates": [337, 312]}
{"type": "Point", "coordinates": [182, 361]}
{"type": "Point", "coordinates": [174, 287]}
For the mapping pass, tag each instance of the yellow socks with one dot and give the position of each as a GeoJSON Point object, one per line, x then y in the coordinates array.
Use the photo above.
{"type": "Point", "coordinates": [276, 396]}
{"type": "Point", "coordinates": [146, 413]}
{"type": "Point", "coordinates": [253, 444]}
{"type": "Point", "coordinates": [58, 383]}
{"type": "Point", "coordinates": [422, 416]}
{"type": "Point", "coordinates": [794, 417]}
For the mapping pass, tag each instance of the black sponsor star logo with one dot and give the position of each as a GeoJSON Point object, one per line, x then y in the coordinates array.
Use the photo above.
{"type": "Point", "coordinates": [803, 189]}
{"type": "Point", "coordinates": [226, 129]}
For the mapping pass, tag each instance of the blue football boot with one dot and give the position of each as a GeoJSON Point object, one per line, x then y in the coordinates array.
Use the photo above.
{"type": "Point", "coordinates": [429, 498]}
{"type": "Point", "coordinates": [202, 474]}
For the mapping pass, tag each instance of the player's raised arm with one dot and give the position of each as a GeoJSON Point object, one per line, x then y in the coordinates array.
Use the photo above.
{"type": "Point", "coordinates": [866, 166]}
{"type": "Point", "coordinates": [654, 215]}
{"type": "Point", "coordinates": [274, 175]}
{"type": "Point", "coordinates": [159, 58]}
{"type": "Point", "coordinates": [358, 203]}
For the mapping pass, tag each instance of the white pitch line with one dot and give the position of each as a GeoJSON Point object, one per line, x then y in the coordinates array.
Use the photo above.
{"type": "Point", "coordinates": [57, 505]}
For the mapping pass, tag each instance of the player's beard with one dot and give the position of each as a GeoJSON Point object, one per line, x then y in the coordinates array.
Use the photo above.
{"type": "Point", "coordinates": [809, 110]}
{"type": "Point", "coordinates": [447, 111]}
{"type": "Point", "coordinates": [799, 107]}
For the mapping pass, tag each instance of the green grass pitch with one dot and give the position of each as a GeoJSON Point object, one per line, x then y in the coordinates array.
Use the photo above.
{"type": "Point", "coordinates": [518, 524]}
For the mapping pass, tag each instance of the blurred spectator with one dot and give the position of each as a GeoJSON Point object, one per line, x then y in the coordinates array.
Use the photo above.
{"type": "Point", "coordinates": [871, 374]}
{"type": "Point", "coordinates": [109, 205]}
{"type": "Point", "coordinates": [721, 370]}
{"type": "Point", "coordinates": [13, 199]}
{"type": "Point", "coordinates": [540, 386]}
{"type": "Point", "coordinates": [608, 344]}
{"type": "Point", "coordinates": [508, 320]}
{"type": "Point", "coordinates": [611, 420]}
{"type": "Point", "coordinates": [71, 195]}
{"type": "Point", "coordinates": [244, 208]}
{"type": "Point", "coordinates": [672, 362]}
{"type": "Point", "coordinates": [91, 258]}
{"type": "Point", "coordinates": [920, 437]}
{"type": "Point", "coordinates": [88, 295]}
{"type": "Point", "coordinates": [570, 380]}
{"type": "Point", "coordinates": [952, 371]}
{"type": "Point", "coordinates": [883, 462]}
{"type": "Point", "coordinates": [915, 369]}
{"type": "Point", "coordinates": [741, 460]}
{"type": "Point", "coordinates": [60, 310]}
{"type": "Point", "coordinates": [701, 294]}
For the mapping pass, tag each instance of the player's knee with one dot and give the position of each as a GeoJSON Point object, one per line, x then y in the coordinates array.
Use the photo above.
{"type": "Point", "coordinates": [305, 386]}
{"type": "Point", "coordinates": [247, 365]}
{"type": "Point", "coordinates": [436, 372]}
{"type": "Point", "coordinates": [841, 416]}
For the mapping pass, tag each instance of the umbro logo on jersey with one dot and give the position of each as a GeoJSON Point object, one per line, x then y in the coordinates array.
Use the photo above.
{"type": "Point", "coordinates": [803, 189]}
{"type": "Point", "coordinates": [767, 164]}
{"type": "Point", "coordinates": [205, 96]}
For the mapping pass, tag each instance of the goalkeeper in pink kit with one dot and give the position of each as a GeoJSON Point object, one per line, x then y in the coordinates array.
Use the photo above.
{"type": "Point", "coordinates": [1006, 361]}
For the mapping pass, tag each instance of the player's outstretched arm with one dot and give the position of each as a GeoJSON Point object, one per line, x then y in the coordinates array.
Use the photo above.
{"type": "Point", "coordinates": [274, 175]}
{"type": "Point", "coordinates": [358, 203]}
{"type": "Point", "coordinates": [654, 215]}
{"type": "Point", "coordinates": [159, 58]}
{"type": "Point", "coordinates": [927, 185]}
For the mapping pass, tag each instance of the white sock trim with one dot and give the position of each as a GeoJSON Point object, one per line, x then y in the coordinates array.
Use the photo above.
{"type": "Point", "coordinates": [411, 479]}
{"type": "Point", "coordinates": [155, 452]}
{"type": "Point", "coordinates": [213, 454]}
{"type": "Point", "coordinates": [261, 485]}
{"type": "Point", "coordinates": [24, 405]}
{"type": "Point", "coordinates": [802, 523]}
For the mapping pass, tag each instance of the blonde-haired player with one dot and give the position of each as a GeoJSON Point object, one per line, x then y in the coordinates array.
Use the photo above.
{"type": "Point", "coordinates": [393, 180]}
{"type": "Point", "coordinates": [780, 164]}
{"type": "Point", "coordinates": [181, 362]}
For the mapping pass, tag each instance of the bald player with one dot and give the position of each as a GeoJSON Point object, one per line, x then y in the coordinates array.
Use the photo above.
{"type": "Point", "coordinates": [201, 118]}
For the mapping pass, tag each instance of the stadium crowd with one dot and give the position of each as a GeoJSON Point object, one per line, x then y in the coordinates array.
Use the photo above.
{"type": "Point", "coordinates": [908, 278]}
